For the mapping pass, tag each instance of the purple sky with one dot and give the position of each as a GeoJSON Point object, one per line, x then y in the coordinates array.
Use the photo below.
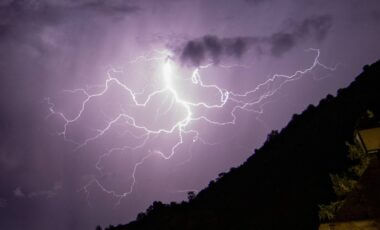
{"type": "Point", "coordinates": [202, 67]}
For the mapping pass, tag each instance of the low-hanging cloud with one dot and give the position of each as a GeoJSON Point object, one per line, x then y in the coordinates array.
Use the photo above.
{"type": "Point", "coordinates": [197, 51]}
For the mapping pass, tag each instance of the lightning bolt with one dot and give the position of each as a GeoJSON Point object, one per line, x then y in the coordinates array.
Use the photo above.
{"type": "Point", "coordinates": [249, 101]}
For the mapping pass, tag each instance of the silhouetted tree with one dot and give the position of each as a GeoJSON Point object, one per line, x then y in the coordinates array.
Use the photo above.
{"type": "Point", "coordinates": [343, 184]}
{"type": "Point", "coordinates": [272, 135]}
{"type": "Point", "coordinates": [140, 216]}
{"type": "Point", "coordinates": [190, 195]}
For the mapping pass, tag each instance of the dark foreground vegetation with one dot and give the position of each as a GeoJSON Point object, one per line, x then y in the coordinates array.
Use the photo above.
{"type": "Point", "coordinates": [283, 183]}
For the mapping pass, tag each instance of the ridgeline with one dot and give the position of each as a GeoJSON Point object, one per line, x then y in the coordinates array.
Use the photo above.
{"type": "Point", "coordinates": [281, 185]}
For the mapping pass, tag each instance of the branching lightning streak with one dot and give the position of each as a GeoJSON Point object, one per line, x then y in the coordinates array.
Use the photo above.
{"type": "Point", "coordinates": [241, 101]}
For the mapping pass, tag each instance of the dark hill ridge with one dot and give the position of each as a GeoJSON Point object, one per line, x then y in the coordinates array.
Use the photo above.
{"type": "Point", "coordinates": [282, 184]}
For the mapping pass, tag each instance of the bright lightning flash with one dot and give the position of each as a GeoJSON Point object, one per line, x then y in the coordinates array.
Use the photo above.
{"type": "Point", "coordinates": [240, 101]}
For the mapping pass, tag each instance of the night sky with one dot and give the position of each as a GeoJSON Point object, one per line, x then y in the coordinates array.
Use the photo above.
{"type": "Point", "coordinates": [109, 105]}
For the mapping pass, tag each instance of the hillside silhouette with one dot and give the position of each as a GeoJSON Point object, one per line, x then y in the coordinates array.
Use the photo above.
{"type": "Point", "coordinates": [281, 185]}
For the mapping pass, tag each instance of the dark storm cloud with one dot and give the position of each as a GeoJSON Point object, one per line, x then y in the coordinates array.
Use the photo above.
{"type": "Point", "coordinates": [22, 22]}
{"type": "Point", "coordinates": [375, 15]}
{"type": "Point", "coordinates": [256, 1]}
{"type": "Point", "coordinates": [316, 26]}
{"type": "Point", "coordinates": [8, 162]}
{"type": "Point", "coordinates": [212, 47]}
{"type": "Point", "coordinates": [197, 51]}
{"type": "Point", "coordinates": [17, 12]}
{"type": "Point", "coordinates": [44, 12]}
{"type": "Point", "coordinates": [111, 7]}
{"type": "Point", "coordinates": [3, 203]}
